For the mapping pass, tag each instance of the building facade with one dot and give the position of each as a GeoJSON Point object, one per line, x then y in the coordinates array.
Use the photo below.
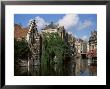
{"type": "Point", "coordinates": [92, 45]}
{"type": "Point", "coordinates": [53, 28]}
{"type": "Point", "coordinates": [93, 40]}
{"type": "Point", "coordinates": [84, 47]}
{"type": "Point", "coordinates": [68, 38]}
{"type": "Point", "coordinates": [34, 42]}
{"type": "Point", "coordinates": [20, 32]}
{"type": "Point", "coordinates": [79, 45]}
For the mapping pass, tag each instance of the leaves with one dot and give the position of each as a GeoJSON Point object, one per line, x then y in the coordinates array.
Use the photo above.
{"type": "Point", "coordinates": [21, 49]}
{"type": "Point", "coordinates": [53, 46]}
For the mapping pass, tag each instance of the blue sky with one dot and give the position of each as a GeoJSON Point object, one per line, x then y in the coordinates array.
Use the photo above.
{"type": "Point", "coordinates": [79, 25]}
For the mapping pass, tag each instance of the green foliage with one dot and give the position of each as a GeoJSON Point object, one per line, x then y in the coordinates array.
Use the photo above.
{"type": "Point", "coordinates": [53, 50]}
{"type": "Point", "coordinates": [21, 49]}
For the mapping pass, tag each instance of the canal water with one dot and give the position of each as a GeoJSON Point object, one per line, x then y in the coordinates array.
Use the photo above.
{"type": "Point", "coordinates": [87, 68]}
{"type": "Point", "coordinates": [79, 67]}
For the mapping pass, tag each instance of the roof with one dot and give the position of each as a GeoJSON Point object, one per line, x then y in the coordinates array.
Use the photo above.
{"type": "Point", "coordinates": [51, 25]}
{"type": "Point", "coordinates": [19, 31]}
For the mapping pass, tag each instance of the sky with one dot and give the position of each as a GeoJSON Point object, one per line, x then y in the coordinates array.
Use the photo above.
{"type": "Point", "coordinates": [79, 25]}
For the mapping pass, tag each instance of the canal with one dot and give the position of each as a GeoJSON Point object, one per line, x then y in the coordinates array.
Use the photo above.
{"type": "Point", "coordinates": [78, 67]}
{"type": "Point", "coordinates": [87, 68]}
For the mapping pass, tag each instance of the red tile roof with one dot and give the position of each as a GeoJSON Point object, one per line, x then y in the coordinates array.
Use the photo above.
{"type": "Point", "coordinates": [20, 32]}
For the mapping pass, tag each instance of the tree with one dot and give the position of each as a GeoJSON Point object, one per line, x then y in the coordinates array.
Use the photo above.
{"type": "Point", "coordinates": [53, 50]}
{"type": "Point", "coordinates": [21, 50]}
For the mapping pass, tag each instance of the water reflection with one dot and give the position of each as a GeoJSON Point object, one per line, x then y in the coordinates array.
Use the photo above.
{"type": "Point", "coordinates": [79, 67]}
{"type": "Point", "coordinates": [27, 71]}
{"type": "Point", "coordinates": [87, 69]}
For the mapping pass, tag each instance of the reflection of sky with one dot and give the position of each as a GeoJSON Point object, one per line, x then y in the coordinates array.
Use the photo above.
{"type": "Point", "coordinates": [85, 22]}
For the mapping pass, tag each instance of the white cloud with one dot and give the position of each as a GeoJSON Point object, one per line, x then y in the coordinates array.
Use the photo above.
{"type": "Point", "coordinates": [40, 22]}
{"type": "Point", "coordinates": [84, 37]}
{"type": "Point", "coordinates": [69, 20]}
{"type": "Point", "coordinates": [75, 36]}
{"type": "Point", "coordinates": [73, 20]}
{"type": "Point", "coordinates": [84, 25]}
{"type": "Point", "coordinates": [69, 32]}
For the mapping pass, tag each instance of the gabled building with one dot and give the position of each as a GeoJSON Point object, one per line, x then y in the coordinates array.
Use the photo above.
{"type": "Point", "coordinates": [34, 42]}
{"type": "Point", "coordinates": [93, 40]}
{"type": "Point", "coordinates": [78, 45]}
{"type": "Point", "coordinates": [20, 32]}
{"type": "Point", "coordinates": [53, 28]}
{"type": "Point", "coordinates": [93, 45]}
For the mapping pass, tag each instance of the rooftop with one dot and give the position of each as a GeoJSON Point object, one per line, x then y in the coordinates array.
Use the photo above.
{"type": "Point", "coordinates": [51, 25]}
{"type": "Point", "coordinates": [19, 31]}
